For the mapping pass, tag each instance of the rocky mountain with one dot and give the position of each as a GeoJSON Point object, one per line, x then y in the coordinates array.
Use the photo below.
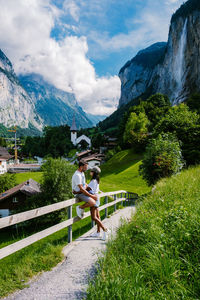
{"type": "Point", "coordinates": [173, 68]}
{"type": "Point", "coordinates": [16, 107]}
{"type": "Point", "coordinates": [54, 106]}
{"type": "Point", "coordinates": [30, 102]}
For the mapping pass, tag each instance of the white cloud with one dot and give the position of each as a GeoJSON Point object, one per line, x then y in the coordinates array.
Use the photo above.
{"type": "Point", "coordinates": [25, 37]}
{"type": "Point", "coordinates": [72, 8]}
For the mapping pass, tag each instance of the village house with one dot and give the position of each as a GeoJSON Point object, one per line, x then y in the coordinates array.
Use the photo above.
{"type": "Point", "coordinates": [5, 158]}
{"type": "Point", "coordinates": [93, 159]}
{"type": "Point", "coordinates": [16, 197]}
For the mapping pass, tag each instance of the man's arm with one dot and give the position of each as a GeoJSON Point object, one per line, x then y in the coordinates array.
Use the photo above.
{"type": "Point", "coordinates": [82, 190]}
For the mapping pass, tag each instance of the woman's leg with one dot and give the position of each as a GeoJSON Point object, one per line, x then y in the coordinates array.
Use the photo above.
{"type": "Point", "coordinates": [97, 220]}
{"type": "Point", "coordinates": [93, 212]}
{"type": "Point", "coordinates": [99, 217]}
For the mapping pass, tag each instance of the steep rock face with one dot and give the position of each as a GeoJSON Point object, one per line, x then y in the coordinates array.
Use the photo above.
{"type": "Point", "coordinates": [16, 107]}
{"type": "Point", "coordinates": [136, 75]}
{"type": "Point", "coordinates": [176, 72]}
{"type": "Point", "coordinates": [54, 106]}
{"type": "Point", "coordinates": [179, 75]}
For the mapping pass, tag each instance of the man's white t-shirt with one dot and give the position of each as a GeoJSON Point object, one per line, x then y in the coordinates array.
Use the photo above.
{"type": "Point", "coordinates": [78, 178]}
{"type": "Point", "coordinates": [94, 186]}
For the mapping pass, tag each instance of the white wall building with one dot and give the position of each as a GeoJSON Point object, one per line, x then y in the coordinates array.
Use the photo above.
{"type": "Point", "coordinates": [3, 165]}
{"type": "Point", "coordinates": [92, 162]}
{"type": "Point", "coordinates": [74, 138]}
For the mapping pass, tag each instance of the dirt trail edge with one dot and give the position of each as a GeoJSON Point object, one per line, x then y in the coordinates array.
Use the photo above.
{"type": "Point", "coordinates": [69, 279]}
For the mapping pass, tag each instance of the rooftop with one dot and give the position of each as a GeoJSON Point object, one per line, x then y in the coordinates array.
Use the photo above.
{"type": "Point", "coordinates": [29, 187]}
{"type": "Point", "coordinates": [4, 154]}
{"type": "Point", "coordinates": [73, 127]}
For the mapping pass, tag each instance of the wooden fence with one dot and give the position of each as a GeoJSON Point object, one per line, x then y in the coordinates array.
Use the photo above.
{"type": "Point", "coordinates": [119, 196]}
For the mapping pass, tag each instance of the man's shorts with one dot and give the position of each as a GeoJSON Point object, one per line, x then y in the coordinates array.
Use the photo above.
{"type": "Point", "coordinates": [83, 197]}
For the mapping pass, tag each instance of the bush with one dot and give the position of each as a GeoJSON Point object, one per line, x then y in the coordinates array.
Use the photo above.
{"type": "Point", "coordinates": [55, 187]}
{"type": "Point", "coordinates": [7, 181]}
{"type": "Point", "coordinates": [162, 158]}
{"type": "Point", "coordinates": [136, 130]}
{"type": "Point", "coordinates": [185, 124]}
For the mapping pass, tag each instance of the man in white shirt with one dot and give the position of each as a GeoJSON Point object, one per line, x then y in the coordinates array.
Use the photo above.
{"type": "Point", "coordinates": [79, 189]}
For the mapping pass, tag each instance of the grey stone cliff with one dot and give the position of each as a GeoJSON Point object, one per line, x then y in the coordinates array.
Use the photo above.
{"type": "Point", "coordinates": [176, 72]}
{"type": "Point", "coordinates": [16, 107]}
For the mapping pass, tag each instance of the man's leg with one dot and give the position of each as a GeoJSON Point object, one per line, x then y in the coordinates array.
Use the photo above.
{"type": "Point", "coordinates": [89, 202]}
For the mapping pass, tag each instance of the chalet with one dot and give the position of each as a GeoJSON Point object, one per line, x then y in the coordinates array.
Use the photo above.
{"type": "Point", "coordinates": [110, 142]}
{"type": "Point", "coordinates": [15, 197]}
{"type": "Point", "coordinates": [84, 154]}
{"type": "Point", "coordinates": [5, 157]}
{"type": "Point", "coordinates": [92, 161]}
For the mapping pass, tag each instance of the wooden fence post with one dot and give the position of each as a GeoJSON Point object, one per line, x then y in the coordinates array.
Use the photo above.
{"type": "Point", "coordinates": [115, 205]}
{"type": "Point", "coordinates": [106, 209]}
{"type": "Point", "coordinates": [70, 227]}
{"type": "Point", "coordinates": [121, 197]}
{"type": "Point", "coordinates": [92, 223]}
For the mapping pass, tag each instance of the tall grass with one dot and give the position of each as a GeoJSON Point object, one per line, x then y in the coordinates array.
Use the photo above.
{"type": "Point", "coordinates": [157, 254]}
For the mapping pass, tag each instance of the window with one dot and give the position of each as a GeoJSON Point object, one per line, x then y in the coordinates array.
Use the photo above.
{"type": "Point", "coordinates": [15, 200]}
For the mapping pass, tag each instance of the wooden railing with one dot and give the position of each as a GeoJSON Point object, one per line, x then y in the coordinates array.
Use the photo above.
{"type": "Point", "coordinates": [119, 196]}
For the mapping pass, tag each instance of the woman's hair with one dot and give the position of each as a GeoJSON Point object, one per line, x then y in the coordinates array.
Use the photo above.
{"type": "Point", "coordinates": [95, 176]}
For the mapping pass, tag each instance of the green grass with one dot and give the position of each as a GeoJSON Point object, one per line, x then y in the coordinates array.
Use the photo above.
{"type": "Point", "coordinates": [21, 177]}
{"type": "Point", "coordinates": [121, 172]}
{"type": "Point", "coordinates": [157, 254]}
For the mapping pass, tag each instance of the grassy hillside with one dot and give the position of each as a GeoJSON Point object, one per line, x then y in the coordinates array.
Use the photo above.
{"type": "Point", "coordinates": [157, 254]}
{"type": "Point", "coordinates": [121, 172]}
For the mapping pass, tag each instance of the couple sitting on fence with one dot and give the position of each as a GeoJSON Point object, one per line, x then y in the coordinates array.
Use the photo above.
{"type": "Point", "coordinates": [88, 193]}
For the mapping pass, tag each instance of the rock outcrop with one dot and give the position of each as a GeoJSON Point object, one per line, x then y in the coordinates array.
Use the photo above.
{"type": "Point", "coordinates": [176, 71]}
{"type": "Point", "coordinates": [16, 107]}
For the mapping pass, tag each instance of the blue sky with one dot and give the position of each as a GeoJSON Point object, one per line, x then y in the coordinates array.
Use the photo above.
{"type": "Point", "coordinates": [80, 45]}
{"type": "Point", "coordinates": [107, 19]}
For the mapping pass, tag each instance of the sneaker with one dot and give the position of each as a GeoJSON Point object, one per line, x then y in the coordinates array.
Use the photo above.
{"type": "Point", "coordinates": [79, 212]}
{"type": "Point", "coordinates": [96, 234]}
{"type": "Point", "coordinates": [105, 235]}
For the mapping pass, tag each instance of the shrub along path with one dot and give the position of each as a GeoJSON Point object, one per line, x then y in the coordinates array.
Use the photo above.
{"type": "Point", "coordinates": [69, 279]}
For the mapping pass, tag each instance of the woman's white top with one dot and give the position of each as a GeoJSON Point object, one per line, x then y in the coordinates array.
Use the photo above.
{"type": "Point", "coordinates": [94, 186]}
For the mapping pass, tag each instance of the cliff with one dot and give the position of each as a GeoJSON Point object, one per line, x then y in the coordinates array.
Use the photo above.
{"type": "Point", "coordinates": [176, 71]}
{"type": "Point", "coordinates": [16, 107]}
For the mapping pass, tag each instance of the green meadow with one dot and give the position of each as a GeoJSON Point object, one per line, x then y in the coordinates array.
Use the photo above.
{"type": "Point", "coordinates": [121, 172]}
{"type": "Point", "coordinates": [21, 177]}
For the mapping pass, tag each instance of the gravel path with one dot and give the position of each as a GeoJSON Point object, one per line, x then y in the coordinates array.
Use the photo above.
{"type": "Point", "coordinates": [69, 279]}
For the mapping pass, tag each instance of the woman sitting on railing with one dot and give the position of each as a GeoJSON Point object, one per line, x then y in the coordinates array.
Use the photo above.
{"type": "Point", "coordinates": [93, 188]}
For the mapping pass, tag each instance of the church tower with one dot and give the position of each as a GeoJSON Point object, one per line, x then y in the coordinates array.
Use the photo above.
{"type": "Point", "coordinates": [73, 130]}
